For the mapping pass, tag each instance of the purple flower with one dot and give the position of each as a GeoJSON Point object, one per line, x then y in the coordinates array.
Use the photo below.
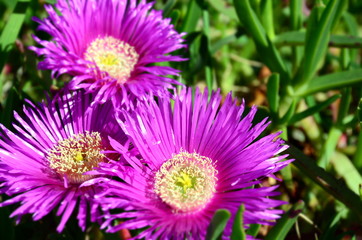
{"type": "Point", "coordinates": [110, 46]}
{"type": "Point", "coordinates": [43, 161]}
{"type": "Point", "coordinates": [195, 156]}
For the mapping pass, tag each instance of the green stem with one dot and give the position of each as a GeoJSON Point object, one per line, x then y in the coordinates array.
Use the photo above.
{"type": "Point", "coordinates": [267, 17]}
{"type": "Point", "coordinates": [325, 180]}
{"type": "Point", "coordinates": [208, 67]}
{"type": "Point", "coordinates": [329, 146]}
{"type": "Point", "coordinates": [287, 171]}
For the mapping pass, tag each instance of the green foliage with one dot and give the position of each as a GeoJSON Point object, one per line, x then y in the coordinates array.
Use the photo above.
{"type": "Point", "coordinates": [217, 224]}
{"type": "Point", "coordinates": [285, 223]}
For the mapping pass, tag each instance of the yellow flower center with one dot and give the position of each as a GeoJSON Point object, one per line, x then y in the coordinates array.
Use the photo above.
{"type": "Point", "coordinates": [186, 182]}
{"type": "Point", "coordinates": [113, 56]}
{"type": "Point", "coordinates": [76, 155]}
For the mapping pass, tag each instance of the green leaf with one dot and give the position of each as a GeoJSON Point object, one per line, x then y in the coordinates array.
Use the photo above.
{"type": "Point", "coordinates": [346, 170]}
{"type": "Point", "coordinates": [222, 7]}
{"type": "Point", "coordinates": [12, 29]}
{"type": "Point", "coordinates": [217, 225]}
{"type": "Point", "coordinates": [296, 14]}
{"type": "Point", "coordinates": [238, 231]}
{"type": "Point", "coordinates": [332, 81]}
{"type": "Point", "coordinates": [13, 101]}
{"type": "Point", "coordinates": [290, 112]}
{"type": "Point", "coordinates": [266, 8]}
{"type": "Point", "coordinates": [344, 105]}
{"type": "Point", "coordinates": [205, 46]}
{"type": "Point", "coordinates": [272, 93]}
{"type": "Point", "coordinates": [192, 16]}
{"type": "Point", "coordinates": [168, 7]}
{"type": "Point", "coordinates": [312, 110]}
{"type": "Point", "coordinates": [333, 227]}
{"type": "Point", "coordinates": [271, 56]}
{"type": "Point", "coordinates": [317, 38]}
{"type": "Point", "coordinates": [329, 146]}
{"type": "Point", "coordinates": [253, 229]}
{"type": "Point", "coordinates": [174, 15]}
{"type": "Point", "coordinates": [325, 180]}
{"type": "Point", "coordinates": [359, 111]}
{"type": "Point", "coordinates": [285, 223]}
{"type": "Point", "coordinates": [220, 43]}
{"type": "Point", "coordinates": [296, 38]}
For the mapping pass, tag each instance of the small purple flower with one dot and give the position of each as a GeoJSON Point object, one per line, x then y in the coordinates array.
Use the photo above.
{"type": "Point", "coordinates": [110, 46]}
{"type": "Point", "coordinates": [43, 161]}
{"type": "Point", "coordinates": [195, 156]}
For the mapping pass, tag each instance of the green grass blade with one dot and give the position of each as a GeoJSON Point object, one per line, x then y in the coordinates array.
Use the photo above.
{"type": "Point", "coordinates": [238, 231]}
{"type": "Point", "coordinates": [296, 14]}
{"type": "Point", "coordinates": [206, 45]}
{"type": "Point", "coordinates": [217, 225]}
{"type": "Point", "coordinates": [285, 223]}
{"type": "Point", "coordinates": [251, 22]}
{"type": "Point", "coordinates": [358, 156]}
{"type": "Point", "coordinates": [344, 105]}
{"type": "Point", "coordinates": [333, 227]}
{"type": "Point", "coordinates": [12, 29]}
{"type": "Point", "coordinates": [272, 93]}
{"type": "Point", "coordinates": [222, 7]}
{"type": "Point", "coordinates": [253, 229]}
{"type": "Point", "coordinates": [271, 56]}
{"type": "Point", "coordinates": [332, 81]}
{"type": "Point", "coordinates": [296, 38]}
{"type": "Point", "coordinates": [346, 170]}
{"type": "Point", "coordinates": [266, 9]}
{"type": "Point", "coordinates": [312, 110]}
{"type": "Point", "coordinates": [224, 41]}
{"type": "Point", "coordinates": [192, 16]}
{"type": "Point", "coordinates": [168, 7]}
{"type": "Point", "coordinates": [317, 38]}
{"type": "Point", "coordinates": [326, 181]}
{"type": "Point", "coordinates": [329, 146]}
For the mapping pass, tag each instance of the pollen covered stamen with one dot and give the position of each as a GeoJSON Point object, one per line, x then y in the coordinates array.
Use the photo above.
{"type": "Point", "coordinates": [113, 56]}
{"type": "Point", "coordinates": [186, 182]}
{"type": "Point", "coordinates": [76, 155]}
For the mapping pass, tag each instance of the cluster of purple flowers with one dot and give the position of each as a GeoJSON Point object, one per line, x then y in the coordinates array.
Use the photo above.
{"type": "Point", "coordinates": [118, 143]}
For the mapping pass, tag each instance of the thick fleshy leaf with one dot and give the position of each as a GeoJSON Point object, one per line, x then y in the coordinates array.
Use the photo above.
{"type": "Point", "coordinates": [238, 231]}
{"type": "Point", "coordinates": [314, 109]}
{"type": "Point", "coordinates": [217, 224]}
{"type": "Point", "coordinates": [345, 169]}
{"type": "Point", "coordinates": [11, 30]}
{"type": "Point", "coordinates": [271, 56]}
{"type": "Point", "coordinates": [324, 179]}
{"type": "Point", "coordinates": [317, 37]}
{"type": "Point", "coordinates": [297, 38]}
{"type": "Point", "coordinates": [284, 224]}
{"type": "Point", "coordinates": [332, 81]}
{"type": "Point", "coordinates": [272, 93]}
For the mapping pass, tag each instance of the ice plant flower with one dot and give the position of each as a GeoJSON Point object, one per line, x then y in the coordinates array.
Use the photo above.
{"type": "Point", "coordinates": [43, 161]}
{"type": "Point", "coordinates": [110, 46]}
{"type": "Point", "coordinates": [195, 156]}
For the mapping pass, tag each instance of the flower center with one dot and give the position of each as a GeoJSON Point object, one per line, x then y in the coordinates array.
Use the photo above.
{"type": "Point", "coordinates": [113, 56]}
{"type": "Point", "coordinates": [186, 182]}
{"type": "Point", "coordinates": [76, 155]}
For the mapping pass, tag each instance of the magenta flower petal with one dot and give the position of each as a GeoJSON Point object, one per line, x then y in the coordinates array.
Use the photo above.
{"type": "Point", "coordinates": [195, 156]}
{"type": "Point", "coordinates": [43, 161]}
{"type": "Point", "coordinates": [110, 46]}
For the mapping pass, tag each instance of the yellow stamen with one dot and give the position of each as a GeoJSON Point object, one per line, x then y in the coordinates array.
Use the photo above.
{"type": "Point", "coordinates": [113, 56]}
{"type": "Point", "coordinates": [76, 155]}
{"type": "Point", "coordinates": [186, 182]}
